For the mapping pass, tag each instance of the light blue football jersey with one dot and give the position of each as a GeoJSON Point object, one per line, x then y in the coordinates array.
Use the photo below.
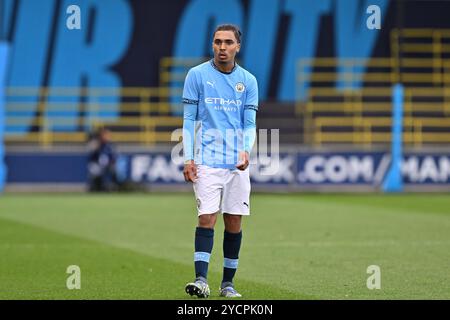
{"type": "Point", "coordinates": [219, 121]}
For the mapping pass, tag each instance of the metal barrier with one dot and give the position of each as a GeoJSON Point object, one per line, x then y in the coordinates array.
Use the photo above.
{"type": "Point", "coordinates": [51, 116]}
{"type": "Point", "coordinates": [349, 101]}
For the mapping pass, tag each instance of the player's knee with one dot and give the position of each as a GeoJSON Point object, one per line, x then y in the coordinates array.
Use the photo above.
{"type": "Point", "coordinates": [232, 223]}
{"type": "Point", "coordinates": [207, 221]}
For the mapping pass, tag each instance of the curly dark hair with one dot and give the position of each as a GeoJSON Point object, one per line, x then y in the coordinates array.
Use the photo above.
{"type": "Point", "coordinates": [230, 27]}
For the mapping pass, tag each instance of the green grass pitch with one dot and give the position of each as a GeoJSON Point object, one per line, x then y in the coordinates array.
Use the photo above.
{"type": "Point", "coordinates": [295, 246]}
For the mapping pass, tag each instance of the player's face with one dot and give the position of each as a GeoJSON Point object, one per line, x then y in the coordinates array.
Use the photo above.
{"type": "Point", "coordinates": [225, 47]}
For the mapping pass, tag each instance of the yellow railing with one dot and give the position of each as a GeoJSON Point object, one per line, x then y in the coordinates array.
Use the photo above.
{"type": "Point", "coordinates": [355, 117]}
{"type": "Point", "coordinates": [137, 115]}
{"type": "Point", "coordinates": [173, 70]}
{"type": "Point", "coordinates": [345, 97]}
{"type": "Point", "coordinates": [413, 130]}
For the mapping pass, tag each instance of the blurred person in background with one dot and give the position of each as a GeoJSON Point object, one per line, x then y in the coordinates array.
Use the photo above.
{"type": "Point", "coordinates": [102, 162]}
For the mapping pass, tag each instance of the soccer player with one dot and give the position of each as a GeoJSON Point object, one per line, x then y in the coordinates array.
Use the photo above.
{"type": "Point", "coordinates": [220, 101]}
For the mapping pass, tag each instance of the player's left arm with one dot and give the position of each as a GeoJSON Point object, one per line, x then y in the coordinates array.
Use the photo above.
{"type": "Point", "coordinates": [250, 109]}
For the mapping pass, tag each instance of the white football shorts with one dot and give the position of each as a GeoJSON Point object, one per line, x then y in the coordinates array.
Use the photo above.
{"type": "Point", "coordinates": [222, 190]}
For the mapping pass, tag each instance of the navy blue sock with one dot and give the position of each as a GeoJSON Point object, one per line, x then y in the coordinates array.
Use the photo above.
{"type": "Point", "coordinates": [204, 240]}
{"type": "Point", "coordinates": [231, 247]}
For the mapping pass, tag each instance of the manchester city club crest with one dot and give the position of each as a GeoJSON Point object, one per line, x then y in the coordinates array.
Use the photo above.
{"type": "Point", "coordinates": [240, 87]}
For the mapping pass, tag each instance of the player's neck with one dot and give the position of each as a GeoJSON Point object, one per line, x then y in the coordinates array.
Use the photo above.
{"type": "Point", "coordinates": [224, 67]}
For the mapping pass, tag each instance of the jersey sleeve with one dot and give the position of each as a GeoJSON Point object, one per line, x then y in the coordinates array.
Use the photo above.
{"type": "Point", "coordinates": [190, 103]}
{"type": "Point", "coordinates": [251, 101]}
{"type": "Point", "coordinates": [191, 92]}
{"type": "Point", "coordinates": [190, 112]}
{"type": "Point", "coordinates": [249, 129]}
{"type": "Point", "coordinates": [250, 109]}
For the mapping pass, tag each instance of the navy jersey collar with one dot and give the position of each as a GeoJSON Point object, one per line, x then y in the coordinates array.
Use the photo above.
{"type": "Point", "coordinates": [215, 67]}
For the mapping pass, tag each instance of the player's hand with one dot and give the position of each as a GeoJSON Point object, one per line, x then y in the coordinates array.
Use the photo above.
{"type": "Point", "coordinates": [243, 160]}
{"type": "Point", "coordinates": [190, 171]}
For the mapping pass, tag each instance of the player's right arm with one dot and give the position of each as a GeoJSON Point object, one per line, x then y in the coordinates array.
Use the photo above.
{"type": "Point", "coordinates": [191, 95]}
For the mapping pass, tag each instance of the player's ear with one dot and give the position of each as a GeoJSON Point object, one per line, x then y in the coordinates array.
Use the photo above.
{"type": "Point", "coordinates": [238, 47]}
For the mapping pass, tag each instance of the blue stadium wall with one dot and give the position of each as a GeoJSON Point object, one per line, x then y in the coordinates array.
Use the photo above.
{"type": "Point", "coordinates": [294, 171]}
